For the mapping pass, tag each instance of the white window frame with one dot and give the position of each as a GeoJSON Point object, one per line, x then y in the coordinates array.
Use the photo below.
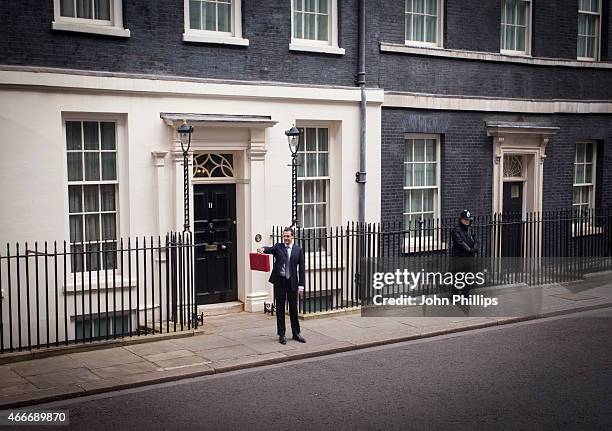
{"type": "Point", "coordinates": [329, 46]}
{"type": "Point", "coordinates": [113, 27]}
{"type": "Point", "coordinates": [233, 37]}
{"type": "Point", "coordinates": [326, 178]}
{"type": "Point", "coordinates": [528, 32]}
{"type": "Point", "coordinates": [439, 28]}
{"type": "Point", "coordinates": [597, 35]}
{"type": "Point", "coordinates": [422, 243]}
{"type": "Point", "coordinates": [121, 197]}
{"type": "Point", "coordinates": [84, 182]}
{"type": "Point", "coordinates": [582, 226]}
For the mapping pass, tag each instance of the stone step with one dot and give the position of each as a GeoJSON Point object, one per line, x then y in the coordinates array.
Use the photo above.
{"type": "Point", "coordinates": [221, 308]}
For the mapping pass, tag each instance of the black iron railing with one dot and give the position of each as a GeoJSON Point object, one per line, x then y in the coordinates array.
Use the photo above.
{"type": "Point", "coordinates": [533, 248]}
{"type": "Point", "coordinates": [59, 294]}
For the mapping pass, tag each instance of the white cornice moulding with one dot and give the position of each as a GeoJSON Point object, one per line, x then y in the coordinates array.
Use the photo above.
{"type": "Point", "coordinates": [62, 79]}
{"type": "Point", "coordinates": [467, 103]}
{"type": "Point", "coordinates": [228, 120]}
{"type": "Point", "coordinates": [490, 56]}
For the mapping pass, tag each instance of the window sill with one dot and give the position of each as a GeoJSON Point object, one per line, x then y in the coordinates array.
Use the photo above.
{"type": "Point", "coordinates": [92, 29]}
{"type": "Point", "coordinates": [423, 245]}
{"type": "Point", "coordinates": [585, 230]}
{"type": "Point", "coordinates": [321, 49]}
{"type": "Point", "coordinates": [82, 283]}
{"type": "Point", "coordinates": [490, 56]}
{"type": "Point", "coordinates": [511, 53]}
{"type": "Point", "coordinates": [413, 44]}
{"type": "Point", "coordinates": [220, 40]}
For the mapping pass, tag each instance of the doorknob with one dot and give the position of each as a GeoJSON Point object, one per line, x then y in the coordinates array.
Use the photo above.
{"type": "Point", "coordinates": [211, 227]}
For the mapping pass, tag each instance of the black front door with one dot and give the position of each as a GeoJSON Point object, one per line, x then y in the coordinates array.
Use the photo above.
{"type": "Point", "coordinates": [512, 230]}
{"type": "Point", "coordinates": [214, 226]}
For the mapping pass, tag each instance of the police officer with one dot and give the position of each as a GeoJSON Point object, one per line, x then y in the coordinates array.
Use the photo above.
{"type": "Point", "coordinates": [465, 245]}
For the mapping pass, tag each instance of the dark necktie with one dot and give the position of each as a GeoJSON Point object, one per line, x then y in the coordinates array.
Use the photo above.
{"type": "Point", "coordinates": [287, 275]}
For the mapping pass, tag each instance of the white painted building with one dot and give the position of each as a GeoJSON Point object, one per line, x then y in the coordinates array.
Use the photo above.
{"type": "Point", "coordinates": [96, 156]}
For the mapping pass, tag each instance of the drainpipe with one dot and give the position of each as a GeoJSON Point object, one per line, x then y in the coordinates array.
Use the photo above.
{"type": "Point", "coordinates": [360, 176]}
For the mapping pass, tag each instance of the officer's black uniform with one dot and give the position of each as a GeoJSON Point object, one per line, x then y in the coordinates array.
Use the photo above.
{"type": "Point", "coordinates": [465, 245]}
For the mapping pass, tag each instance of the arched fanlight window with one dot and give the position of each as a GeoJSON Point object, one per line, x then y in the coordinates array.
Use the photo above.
{"type": "Point", "coordinates": [210, 165]}
{"type": "Point", "coordinates": [513, 166]}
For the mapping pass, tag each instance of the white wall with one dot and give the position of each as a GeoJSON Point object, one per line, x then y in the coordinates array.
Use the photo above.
{"type": "Point", "coordinates": [33, 179]}
{"type": "Point", "coordinates": [33, 164]}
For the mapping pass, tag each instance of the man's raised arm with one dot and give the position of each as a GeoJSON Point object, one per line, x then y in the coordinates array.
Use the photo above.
{"type": "Point", "coordinates": [266, 250]}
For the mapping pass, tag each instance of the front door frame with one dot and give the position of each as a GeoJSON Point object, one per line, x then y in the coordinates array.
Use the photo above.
{"type": "Point", "coordinates": [528, 140]}
{"type": "Point", "coordinates": [246, 137]}
{"type": "Point", "coordinates": [240, 180]}
{"type": "Point", "coordinates": [220, 296]}
{"type": "Point", "coordinates": [515, 230]}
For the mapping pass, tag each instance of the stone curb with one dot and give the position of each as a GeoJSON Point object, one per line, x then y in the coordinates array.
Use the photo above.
{"type": "Point", "coordinates": [81, 393]}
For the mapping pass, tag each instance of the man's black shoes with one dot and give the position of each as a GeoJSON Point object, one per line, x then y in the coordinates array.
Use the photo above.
{"type": "Point", "coordinates": [298, 337]}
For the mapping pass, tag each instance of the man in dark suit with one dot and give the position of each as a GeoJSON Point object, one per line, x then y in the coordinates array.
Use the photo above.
{"type": "Point", "coordinates": [287, 277]}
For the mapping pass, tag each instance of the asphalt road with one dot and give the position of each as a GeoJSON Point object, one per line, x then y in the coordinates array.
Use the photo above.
{"type": "Point", "coordinates": [547, 374]}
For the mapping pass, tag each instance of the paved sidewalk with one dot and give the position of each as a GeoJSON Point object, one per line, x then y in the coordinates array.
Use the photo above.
{"type": "Point", "coordinates": [244, 340]}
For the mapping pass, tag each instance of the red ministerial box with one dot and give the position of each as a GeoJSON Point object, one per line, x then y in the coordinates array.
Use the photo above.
{"type": "Point", "coordinates": [259, 262]}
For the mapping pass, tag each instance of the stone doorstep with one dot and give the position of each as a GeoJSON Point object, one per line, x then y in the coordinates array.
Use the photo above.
{"type": "Point", "coordinates": [217, 367]}
{"type": "Point", "coordinates": [221, 309]}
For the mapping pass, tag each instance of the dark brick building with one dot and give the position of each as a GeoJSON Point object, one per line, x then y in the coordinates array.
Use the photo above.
{"type": "Point", "coordinates": [520, 80]}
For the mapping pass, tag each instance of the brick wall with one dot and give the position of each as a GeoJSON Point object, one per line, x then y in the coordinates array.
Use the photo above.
{"type": "Point", "coordinates": [606, 32]}
{"type": "Point", "coordinates": [478, 78]}
{"type": "Point", "coordinates": [156, 45]}
{"type": "Point", "coordinates": [467, 157]}
{"type": "Point", "coordinates": [473, 25]}
{"type": "Point", "coordinates": [555, 26]}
